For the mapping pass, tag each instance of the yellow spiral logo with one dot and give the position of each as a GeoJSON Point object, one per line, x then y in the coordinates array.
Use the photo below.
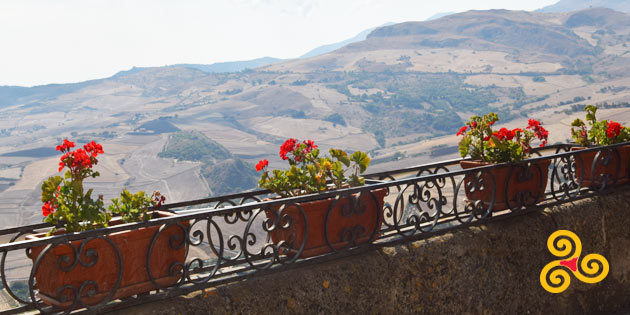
{"type": "Point", "coordinates": [555, 277]}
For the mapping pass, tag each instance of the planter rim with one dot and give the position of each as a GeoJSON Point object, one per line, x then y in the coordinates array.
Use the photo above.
{"type": "Point", "coordinates": [278, 197]}
{"type": "Point", "coordinates": [539, 159]}
{"type": "Point", "coordinates": [115, 221]}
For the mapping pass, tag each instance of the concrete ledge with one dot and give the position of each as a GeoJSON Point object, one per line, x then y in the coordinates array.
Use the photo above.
{"type": "Point", "coordinates": [490, 269]}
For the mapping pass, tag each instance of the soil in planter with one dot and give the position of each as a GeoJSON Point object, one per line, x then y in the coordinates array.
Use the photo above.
{"type": "Point", "coordinates": [343, 226]}
{"type": "Point", "coordinates": [585, 163]}
{"type": "Point", "coordinates": [133, 246]}
{"type": "Point", "coordinates": [531, 186]}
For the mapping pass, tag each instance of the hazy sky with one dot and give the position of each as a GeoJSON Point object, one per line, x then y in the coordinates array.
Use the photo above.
{"type": "Point", "coordinates": [60, 41]}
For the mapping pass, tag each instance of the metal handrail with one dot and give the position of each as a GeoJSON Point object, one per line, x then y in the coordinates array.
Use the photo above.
{"type": "Point", "coordinates": [243, 235]}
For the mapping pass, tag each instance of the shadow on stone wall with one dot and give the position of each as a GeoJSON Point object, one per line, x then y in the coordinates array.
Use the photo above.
{"type": "Point", "coordinates": [493, 269]}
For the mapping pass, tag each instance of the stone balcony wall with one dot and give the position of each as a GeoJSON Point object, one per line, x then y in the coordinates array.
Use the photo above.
{"type": "Point", "coordinates": [490, 269]}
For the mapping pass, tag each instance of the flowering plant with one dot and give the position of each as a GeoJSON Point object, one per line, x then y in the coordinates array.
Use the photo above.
{"type": "Point", "coordinates": [602, 132]}
{"type": "Point", "coordinates": [66, 200]}
{"type": "Point", "coordinates": [310, 173]}
{"type": "Point", "coordinates": [482, 143]}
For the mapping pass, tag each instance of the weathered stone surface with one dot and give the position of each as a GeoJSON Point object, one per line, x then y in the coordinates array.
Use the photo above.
{"type": "Point", "coordinates": [491, 269]}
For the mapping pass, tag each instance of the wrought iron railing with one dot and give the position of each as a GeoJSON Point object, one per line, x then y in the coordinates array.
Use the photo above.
{"type": "Point", "coordinates": [217, 240]}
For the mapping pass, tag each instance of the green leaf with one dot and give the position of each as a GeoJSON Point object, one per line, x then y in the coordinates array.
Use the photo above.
{"type": "Point", "coordinates": [577, 123]}
{"type": "Point", "coordinates": [49, 187]}
{"type": "Point", "coordinates": [362, 159]}
{"type": "Point", "coordinates": [464, 145]}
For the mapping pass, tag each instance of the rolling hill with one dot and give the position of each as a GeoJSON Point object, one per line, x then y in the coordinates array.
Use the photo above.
{"type": "Point", "coordinates": [400, 94]}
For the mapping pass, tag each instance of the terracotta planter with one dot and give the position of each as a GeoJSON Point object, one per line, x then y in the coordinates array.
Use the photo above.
{"type": "Point", "coordinates": [343, 222]}
{"type": "Point", "coordinates": [133, 246]}
{"type": "Point", "coordinates": [519, 183]}
{"type": "Point", "coordinates": [585, 163]}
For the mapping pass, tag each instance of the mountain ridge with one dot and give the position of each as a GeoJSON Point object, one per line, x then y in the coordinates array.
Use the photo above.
{"type": "Point", "coordinates": [575, 5]}
{"type": "Point", "coordinates": [399, 95]}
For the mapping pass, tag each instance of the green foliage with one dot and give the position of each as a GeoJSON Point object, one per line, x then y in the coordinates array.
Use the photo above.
{"type": "Point", "coordinates": [156, 126]}
{"type": "Point", "coordinates": [483, 144]}
{"type": "Point", "coordinates": [299, 82]}
{"type": "Point", "coordinates": [232, 91]}
{"type": "Point", "coordinates": [224, 173]}
{"type": "Point", "coordinates": [299, 114]}
{"type": "Point", "coordinates": [193, 146]}
{"type": "Point", "coordinates": [133, 207]}
{"type": "Point", "coordinates": [473, 142]}
{"type": "Point", "coordinates": [66, 200]}
{"type": "Point", "coordinates": [446, 121]}
{"type": "Point", "coordinates": [601, 132]}
{"type": "Point", "coordinates": [229, 176]}
{"type": "Point", "coordinates": [310, 173]}
{"type": "Point", "coordinates": [335, 118]}
{"type": "Point", "coordinates": [380, 138]}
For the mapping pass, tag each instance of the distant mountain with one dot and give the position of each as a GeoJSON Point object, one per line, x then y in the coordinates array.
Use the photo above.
{"type": "Point", "coordinates": [218, 67]}
{"type": "Point", "coordinates": [10, 95]}
{"type": "Point", "coordinates": [331, 47]}
{"type": "Point", "coordinates": [232, 66]}
{"type": "Point", "coordinates": [497, 30]}
{"type": "Point", "coordinates": [439, 15]}
{"type": "Point", "coordinates": [393, 95]}
{"type": "Point", "coordinates": [574, 5]}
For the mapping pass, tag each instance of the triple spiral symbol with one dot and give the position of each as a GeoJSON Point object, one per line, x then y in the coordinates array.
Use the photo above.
{"type": "Point", "coordinates": [565, 245]}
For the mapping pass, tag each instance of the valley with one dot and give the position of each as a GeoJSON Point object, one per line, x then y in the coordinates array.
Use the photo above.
{"type": "Point", "coordinates": [400, 94]}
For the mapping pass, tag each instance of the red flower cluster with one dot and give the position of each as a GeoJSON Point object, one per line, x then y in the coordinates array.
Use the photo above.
{"type": "Point", "coordinates": [505, 133]}
{"type": "Point", "coordinates": [541, 133]}
{"type": "Point", "coordinates": [291, 146]}
{"type": "Point", "coordinates": [310, 145]}
{"type": "Point", "coordinates": [80, 158]}
{"type": "Point", "coordinates": [261, 165]}
{"type": "Point", "coordinates": [613, 129]}
{"type": "Point", "coordinates": [47, 209]}
{"type": "Point", "coordinates": [286, 147]}
{"type": "Point", "coordinates": [93, 148]}
{"type": "Point", "coordinates": [462, 130]}
{"type": "Point", "coordinates": [65, 146]}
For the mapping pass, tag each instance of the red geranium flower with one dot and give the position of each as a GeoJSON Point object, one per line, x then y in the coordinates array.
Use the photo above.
{"type": "Point", "coordinates": [462, 130]}
{"type": "Point", "coordinates": [47, 209]}
{"type": "Point", "coordinates": [613, 129]}
{"type": "Point", "coordinates": [286, 147]}
{"type": "Point", "coordinates": [310, 145]}
{"type": "Point", "coordinates": [504, 133]}
{"type": "Point", "coordinates": [540, 132]}
{"type": "Point", "coordinates": [93, 148]}
{"type": "Point", "coordinates": [533, 123]}
{"type": "Point", "coordinates": [81, 159]}
{"type": "Point", "coordinates": [261, 165]}
{"type": "Point", "coordinates": [65, 146]}
{"type": "Point", "coordinates": [473, 124]}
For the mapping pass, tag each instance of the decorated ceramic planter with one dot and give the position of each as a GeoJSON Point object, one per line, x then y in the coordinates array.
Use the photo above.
{"type": "Point", "coordinates": [613, 165]}
{"type": "Point", "coordinates": [515, 185]}
{"type": "Point", "coordinates": [332, 224]}
{"type": "Point", "coordinates": [95, 270]}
